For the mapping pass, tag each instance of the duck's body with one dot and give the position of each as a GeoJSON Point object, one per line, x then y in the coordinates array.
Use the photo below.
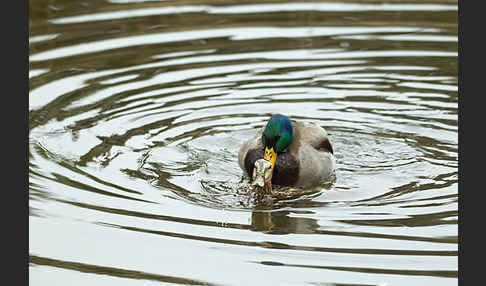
{"type": "Point", "coordinates": [304, 160]}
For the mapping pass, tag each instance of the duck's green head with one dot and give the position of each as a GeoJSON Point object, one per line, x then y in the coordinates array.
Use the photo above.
{"type": "Point", "coordinates": [277, 137]}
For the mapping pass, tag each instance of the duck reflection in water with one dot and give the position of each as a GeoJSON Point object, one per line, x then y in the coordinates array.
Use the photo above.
{"type": "Point", "coordinates": [279, 222]}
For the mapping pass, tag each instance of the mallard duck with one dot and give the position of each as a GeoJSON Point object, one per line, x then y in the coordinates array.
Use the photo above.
{"type": "Point", "coordinates": [300, 153]}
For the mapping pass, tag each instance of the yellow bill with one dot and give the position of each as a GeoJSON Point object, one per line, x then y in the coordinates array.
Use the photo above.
{"type": "Point", "coordinates": [270, 156]}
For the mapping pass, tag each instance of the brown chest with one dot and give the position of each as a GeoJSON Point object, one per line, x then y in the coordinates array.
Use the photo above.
{"type": "Point", "coordinates": [286, 167]}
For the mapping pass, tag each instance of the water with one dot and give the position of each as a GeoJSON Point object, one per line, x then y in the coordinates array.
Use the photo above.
{"type": "Point", "coordinates": [137, 110]}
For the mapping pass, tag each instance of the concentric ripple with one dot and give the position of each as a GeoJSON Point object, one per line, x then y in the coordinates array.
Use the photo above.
{"type": "Point", "coordinates": [138, 108]}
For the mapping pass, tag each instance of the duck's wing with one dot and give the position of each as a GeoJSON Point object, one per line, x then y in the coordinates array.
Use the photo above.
{"type": "Point", "coordinates": [314, 153]}
{"type": "Point", "coordinates": [312, 134]}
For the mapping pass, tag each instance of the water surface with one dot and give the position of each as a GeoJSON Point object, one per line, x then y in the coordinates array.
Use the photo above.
{"type": "Point", "coordinates": [137, 110]}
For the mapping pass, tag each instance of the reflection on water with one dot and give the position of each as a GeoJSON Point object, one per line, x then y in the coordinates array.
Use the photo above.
{"type": "Point", "coordinates": [281, 223]}
{"type": "Point", "coordinates": [137, 110]}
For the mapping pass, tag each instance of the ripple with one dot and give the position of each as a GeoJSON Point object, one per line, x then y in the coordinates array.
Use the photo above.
{"type": "Point", "coordinates": [137, 110]}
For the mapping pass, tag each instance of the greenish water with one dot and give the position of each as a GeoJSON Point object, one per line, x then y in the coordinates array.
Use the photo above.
{"type": "Point", "coordinates": [137, 110]}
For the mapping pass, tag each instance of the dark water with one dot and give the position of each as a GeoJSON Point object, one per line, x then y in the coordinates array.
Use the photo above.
{"type": "Point", "coordinates": [137, 110]}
